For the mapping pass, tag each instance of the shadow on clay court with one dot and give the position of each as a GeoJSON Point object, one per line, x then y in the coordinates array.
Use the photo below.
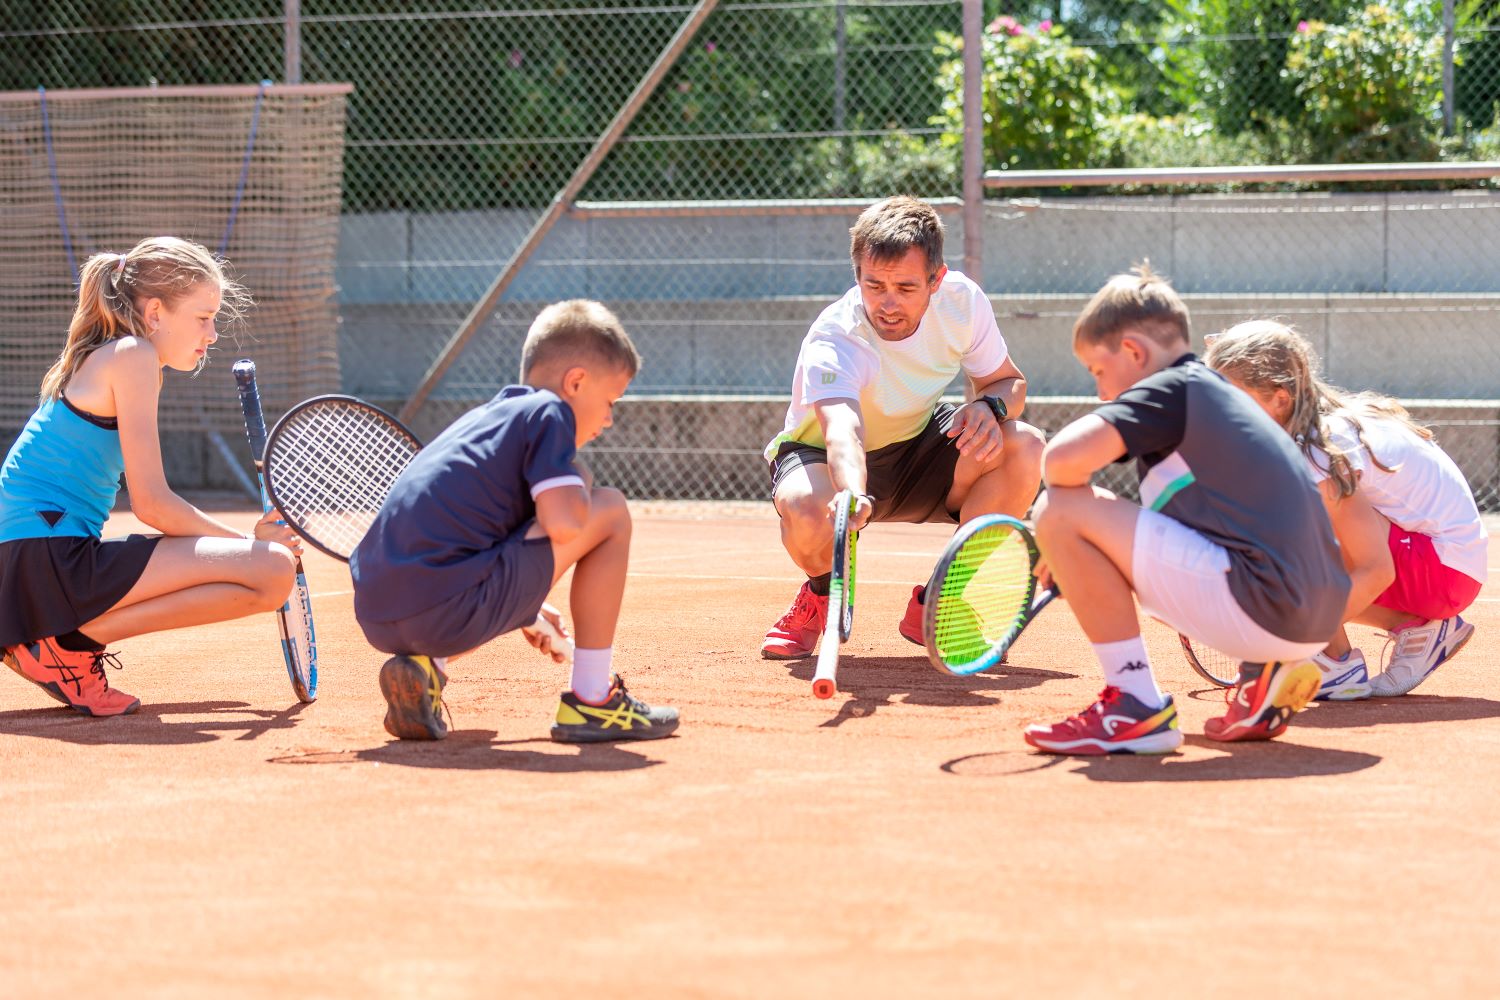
{"type": "Point", "coordinates": [153, 725]}
{"type": "Point", "coordinates": [1200, 759]}
{"type": "Point", "coordinates": [871, 682]}
{"type": "Point", "coordinates": [478, 750]}
{"type": "Point", "coordinates": [1411, 708]}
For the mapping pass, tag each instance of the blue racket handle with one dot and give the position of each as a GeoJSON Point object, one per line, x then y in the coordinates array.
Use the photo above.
{"type": "Point", "coordinates": [255, 420]}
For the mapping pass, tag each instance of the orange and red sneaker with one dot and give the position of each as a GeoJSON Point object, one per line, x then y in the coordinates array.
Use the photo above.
{"type": "Point", "coordinates": [1264, 701]}
{"type": "Point", "coordinates": [77, 679]}
{"type": "Point", "coordinates": [795, 633]}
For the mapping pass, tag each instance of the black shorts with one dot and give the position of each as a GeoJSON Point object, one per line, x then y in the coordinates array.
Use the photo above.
{"type": "Point", "coordinates": [51, 586]}
{"type": "Point", "coordinates": [506, 598]}
{"type": "Point", "coordinates": [909, 480]}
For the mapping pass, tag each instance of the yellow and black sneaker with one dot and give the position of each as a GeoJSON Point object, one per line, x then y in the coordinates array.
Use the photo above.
{"type": "Point", "coordinates": [413, 689]}
{"type": "Point", "coordinates": [622, 716]}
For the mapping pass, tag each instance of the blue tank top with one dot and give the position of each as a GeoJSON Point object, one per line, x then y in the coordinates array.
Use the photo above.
{"type": "Point", "coordinates": [61, 477]}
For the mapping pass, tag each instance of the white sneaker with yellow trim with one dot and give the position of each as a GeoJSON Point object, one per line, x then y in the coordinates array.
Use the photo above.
{"type": "Point", "coordinates": [621, 716]}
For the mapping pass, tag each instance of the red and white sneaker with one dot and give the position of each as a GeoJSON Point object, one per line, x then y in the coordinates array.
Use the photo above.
{"type": "Point", "coordinates": [911, 622]}
{"type": "Point", "coordinates": [1116, 723]}
{"type": "Point", "coordinates": [795, 634]}
{"type": "Point", "coordinates": [1262, 703]}
{"type": "Point", "coordinates": [73, 678]}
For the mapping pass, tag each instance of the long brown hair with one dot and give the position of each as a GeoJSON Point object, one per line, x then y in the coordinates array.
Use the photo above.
{"type": "Point", "coordinates": [112, 289]}
{"type": "Point", "coordinates": [1265, 355]}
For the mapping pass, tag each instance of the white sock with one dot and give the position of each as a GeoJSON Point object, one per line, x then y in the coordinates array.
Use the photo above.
{"type": "Point", "coordinates": [1127, 667]}
{"type": "Point", "coordinates": [591, 673]}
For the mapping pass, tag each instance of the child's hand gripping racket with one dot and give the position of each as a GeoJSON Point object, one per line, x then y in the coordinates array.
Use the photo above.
{"type": "Point", "coordinates": [840, 595]}
{"type": "Point", "coordinates": [982, 595]}
{"type": "Point", "coordinates": [329, 465]}
{"type": "Point", "coordinates": [299, 645]}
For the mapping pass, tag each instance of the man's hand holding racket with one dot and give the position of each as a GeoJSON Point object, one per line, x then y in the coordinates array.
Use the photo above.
{"type": "Point", "coordinates": [864, 509]}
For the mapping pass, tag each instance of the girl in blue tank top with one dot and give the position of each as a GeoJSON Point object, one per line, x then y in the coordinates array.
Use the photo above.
{"type": "Point", "coordinates": [66, 594]}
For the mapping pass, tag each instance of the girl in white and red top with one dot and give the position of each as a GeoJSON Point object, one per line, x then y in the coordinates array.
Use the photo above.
{"type": "Point", "coordinates": [1403, 512]}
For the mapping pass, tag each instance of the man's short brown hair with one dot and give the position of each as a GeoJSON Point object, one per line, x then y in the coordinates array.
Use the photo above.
{"type": "Point", "coordinates": [1141, 301]}
{"type": "Point", "coordinates": [578, 331]}
{"type": "Point", "coordinates": [887, 230]}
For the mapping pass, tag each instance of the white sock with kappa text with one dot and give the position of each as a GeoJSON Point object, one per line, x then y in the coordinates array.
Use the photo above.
{"type": "Point", "coordinates": [1127, 667]}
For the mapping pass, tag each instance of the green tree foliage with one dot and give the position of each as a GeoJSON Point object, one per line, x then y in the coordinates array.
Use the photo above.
{"type": "Point", "coordinates": [1371, 87]}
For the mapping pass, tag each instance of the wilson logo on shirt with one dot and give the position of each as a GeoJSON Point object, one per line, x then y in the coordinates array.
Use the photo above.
{"type": "Point", "coordinates": [827, 378]}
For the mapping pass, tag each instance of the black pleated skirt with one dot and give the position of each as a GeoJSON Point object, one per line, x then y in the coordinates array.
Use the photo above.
{"type": "Point", "coordinates": [51, 586]}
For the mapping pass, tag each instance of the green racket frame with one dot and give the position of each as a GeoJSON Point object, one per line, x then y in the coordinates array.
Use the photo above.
{"type": "Point", "coordinates": [1029, 602]}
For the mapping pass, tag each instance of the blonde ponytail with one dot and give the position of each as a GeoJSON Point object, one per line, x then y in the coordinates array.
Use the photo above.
{"type": "Point", "coordinates": [113, 287]}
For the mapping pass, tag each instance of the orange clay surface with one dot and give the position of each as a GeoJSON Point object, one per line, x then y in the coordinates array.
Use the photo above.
{"type": "Point", "coordinates": [899, 840]}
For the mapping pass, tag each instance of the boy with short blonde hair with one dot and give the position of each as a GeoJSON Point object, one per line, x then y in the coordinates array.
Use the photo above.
{"type": "Point", "coordinates": [489, 516]}
{"type": "Point", "coordinates": [1229, 544]}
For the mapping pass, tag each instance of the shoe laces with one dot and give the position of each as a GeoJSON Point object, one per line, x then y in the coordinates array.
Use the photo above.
{"type": "Point", "coordinates": [1107, 698]}
{"type": "Point", "coordinates": [101, 659]}
{"type": "Point", "coordinates": [1407, 642]}
{"type": "Point", "coordinates": [804, 609]}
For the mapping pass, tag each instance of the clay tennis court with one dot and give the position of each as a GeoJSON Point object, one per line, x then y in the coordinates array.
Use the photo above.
{"type": "Point", "coordinates": [898, 841]}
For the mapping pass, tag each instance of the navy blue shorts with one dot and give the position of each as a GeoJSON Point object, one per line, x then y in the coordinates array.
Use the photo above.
{"type": "Point", "coordinates": [509, 597]}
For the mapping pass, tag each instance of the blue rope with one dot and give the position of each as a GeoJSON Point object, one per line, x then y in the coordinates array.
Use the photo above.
{"type": "Point", "coordinates": [239, 191]}
{"type": "Point", "coordinates": [62, 216]}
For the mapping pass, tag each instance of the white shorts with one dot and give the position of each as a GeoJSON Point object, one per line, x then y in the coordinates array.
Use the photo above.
{"type": "Point", "coordinates": [1182, 580]}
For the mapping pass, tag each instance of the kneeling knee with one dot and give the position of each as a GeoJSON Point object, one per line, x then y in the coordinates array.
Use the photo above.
{"type": "Point", "coordinates": [276, 574]}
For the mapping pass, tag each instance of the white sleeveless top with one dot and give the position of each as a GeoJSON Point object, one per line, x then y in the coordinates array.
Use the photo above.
{"type": "Point", "coordinates": [1426, 494]}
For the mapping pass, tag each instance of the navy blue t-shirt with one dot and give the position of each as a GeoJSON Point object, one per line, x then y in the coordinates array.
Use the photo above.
{"type": "Point", "coordinates": [442, 526]}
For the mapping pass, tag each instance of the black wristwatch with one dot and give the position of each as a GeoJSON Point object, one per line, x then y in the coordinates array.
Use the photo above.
{"type": "Point", "coordinates": [997, 407]}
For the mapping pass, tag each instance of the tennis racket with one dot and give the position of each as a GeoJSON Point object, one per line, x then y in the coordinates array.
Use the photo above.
{"type": "Point", "coordinates": [982, 595]}
{"type": "Point", "coordinates": [1212, 665]}
{"type": "Point", "coordinates": [840, 597]}
{"type": "Point", "coordinates": [299, 643]}
{"type": "Point", "coordinates": [330, 463]}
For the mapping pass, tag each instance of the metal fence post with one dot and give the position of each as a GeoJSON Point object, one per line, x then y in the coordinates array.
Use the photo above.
{"type": "Point", "coordinates": [292, 42]}
{"type": "Point", "coordinates": [973, 156]}
{"type": "Point", "coordinates": [1448, 67]}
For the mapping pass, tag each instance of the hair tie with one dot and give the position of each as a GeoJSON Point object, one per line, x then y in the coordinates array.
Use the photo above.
{"type": "Point", "coordinates": [1301, 439]}
{"type": "Point", "coordinates": [119, 269]}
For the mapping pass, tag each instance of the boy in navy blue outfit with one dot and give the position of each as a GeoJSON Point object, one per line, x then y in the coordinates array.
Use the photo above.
{"type": "Point", "coordinates": [486, 519]}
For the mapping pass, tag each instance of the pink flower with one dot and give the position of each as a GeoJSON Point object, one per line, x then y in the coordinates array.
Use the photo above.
{"type": "Point", "coordinates": [1303, 27]}
{"type": "Point", "coordinates": [516, 58]}
{"type": "Point", "coordinates": [1004, 23]}
{"type": "Point", "coordinates": [1044, 27]}
{"type": "Point", "coordinates": [711, 46]}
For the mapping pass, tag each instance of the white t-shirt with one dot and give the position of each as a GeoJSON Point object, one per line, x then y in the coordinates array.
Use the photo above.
{"type": "Point", "coordinates": [897, 383]}
{"type": "Point", "coordinates": [1426, 493]}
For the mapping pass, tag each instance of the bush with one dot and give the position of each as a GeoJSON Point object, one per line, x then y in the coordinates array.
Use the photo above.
{"type": "Point", "coordinates": [1046, 100]}
{"type": "Point", "coordinates": [1371, 88]}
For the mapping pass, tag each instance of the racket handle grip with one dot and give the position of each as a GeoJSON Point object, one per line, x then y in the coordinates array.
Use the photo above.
{"type": "Point", "coordinates": [824, 687]}
{"type": "Point", "coordinates": [560, 642]}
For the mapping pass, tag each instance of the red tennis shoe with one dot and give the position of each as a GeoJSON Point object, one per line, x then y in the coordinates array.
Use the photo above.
{"type": "Point", "coordinates": [1263, 702]}
{"type": "Point", "coordinates": [1116, 723]}
{"type": "Point", "coordinates": [795, 634]}
{"type": "Point", "coordinates": [911, 622]}
{"type": "Point", "coordinates": [77, 679]}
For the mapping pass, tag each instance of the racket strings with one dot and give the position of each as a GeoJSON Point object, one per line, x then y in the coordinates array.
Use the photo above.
{"type": "Point", "coordinates": [984, 594]}
{"type": "Point", "coordinates": [332, 468]}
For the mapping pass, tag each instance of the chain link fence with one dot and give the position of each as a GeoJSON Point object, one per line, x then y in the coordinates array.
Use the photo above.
{"type": "Point", "coordinates": [717, 225]}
